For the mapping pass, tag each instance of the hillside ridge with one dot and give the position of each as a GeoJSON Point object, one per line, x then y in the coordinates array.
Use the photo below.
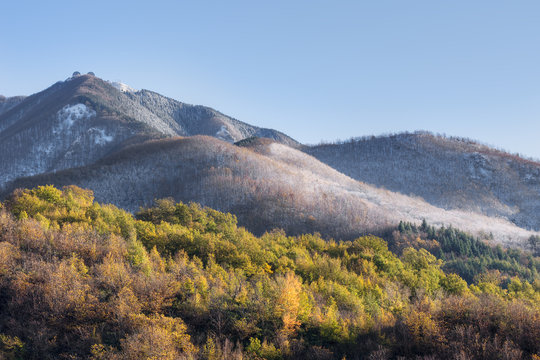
{"type": "Point", "coordinates": [451, 173]}
{"type": "Point", "coordinates": [267, 186]}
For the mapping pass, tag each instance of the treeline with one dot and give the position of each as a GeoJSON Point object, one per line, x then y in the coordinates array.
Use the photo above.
{"type": "Point", "coordinates": [459, 141]}
{"type": "Point", "coordinates": [82, 280]}
{"type": "Point", "coordinates": [468, 256]}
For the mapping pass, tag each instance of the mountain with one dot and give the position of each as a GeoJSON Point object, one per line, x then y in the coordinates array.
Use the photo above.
{"type": "Point", "coordinates": [134, 146]}
{"type": "Point", "coordinates": [79, 121]}
{"type": "Point", "coordinates": [265, 184]}
{"type": "Point", "coordinates": [451, 173]}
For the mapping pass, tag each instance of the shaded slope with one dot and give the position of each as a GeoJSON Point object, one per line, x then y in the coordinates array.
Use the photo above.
{"type": "Point", "coordinates": [447, 172]}
{"type": "Point", "coordinates": [266, 185]}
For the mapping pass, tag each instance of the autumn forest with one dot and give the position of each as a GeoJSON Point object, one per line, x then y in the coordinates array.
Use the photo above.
{"type": "Point", "coordinates": [80, 280]}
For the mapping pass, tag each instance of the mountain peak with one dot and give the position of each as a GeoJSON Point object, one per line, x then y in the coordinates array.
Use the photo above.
{"type": "Point", "coordinates": [84, 118]}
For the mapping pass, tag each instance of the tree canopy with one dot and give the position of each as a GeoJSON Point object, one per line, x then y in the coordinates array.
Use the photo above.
{"type": "Point", "coordinates": [80, 279]}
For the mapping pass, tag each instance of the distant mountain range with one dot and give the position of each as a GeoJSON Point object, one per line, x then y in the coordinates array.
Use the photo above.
{"type": "Point", "coordinates": [132, 147]}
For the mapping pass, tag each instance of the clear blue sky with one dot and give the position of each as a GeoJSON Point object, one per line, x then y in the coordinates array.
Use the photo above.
{"type": "Point", "coordinates": [313, 69]}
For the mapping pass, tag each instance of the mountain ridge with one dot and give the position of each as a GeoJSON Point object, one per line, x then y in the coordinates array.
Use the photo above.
{"type": "Point", "coordinates": [268, 185]}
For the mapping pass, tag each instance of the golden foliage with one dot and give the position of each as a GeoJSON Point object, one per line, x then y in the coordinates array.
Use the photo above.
{"type": "Point", "coordinates": [82, 280]}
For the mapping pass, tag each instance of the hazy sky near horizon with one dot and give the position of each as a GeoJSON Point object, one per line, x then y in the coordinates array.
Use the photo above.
{"type": "Point", "coordinates": [316, 70]}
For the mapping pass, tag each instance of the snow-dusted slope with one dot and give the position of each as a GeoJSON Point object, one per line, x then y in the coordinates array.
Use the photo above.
{"type": "Point", "coordinates": [122, 87]}
{"type": "Point", "coordinates": [393, 205]}
{"type": "Point", "coordinates": [201, 120]}
{"type": "Point", "coordinates": [64, 126]}
{"type": "Point", "coordinates": [446, 172]}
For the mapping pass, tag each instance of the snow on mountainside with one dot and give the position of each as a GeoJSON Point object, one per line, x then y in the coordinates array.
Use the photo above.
{"type": "Point", "coordinates": [201, 120]}
{"type": "Point", "coordinates": [58, 128]}
{"type": "Point", "coordinates": [69, 114]}
{"type": "Point", "coordinates": [122, 87]}
{"type": "Point", "coordinates": [446, 172]}
{"type": "Point", "coordinates": [266, 185]}
{"type": "Point", "coordinates": [78, 121]}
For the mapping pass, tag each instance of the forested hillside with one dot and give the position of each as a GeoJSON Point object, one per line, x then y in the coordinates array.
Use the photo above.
{"type": "Point", "coordinates": [452, 173]}
{"type": "Point", "coordinates": [266, 185]}
{"type": "Point", "coordinates": [468, 256]}
{"type": "Point", "coordinates": [80, 279]}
